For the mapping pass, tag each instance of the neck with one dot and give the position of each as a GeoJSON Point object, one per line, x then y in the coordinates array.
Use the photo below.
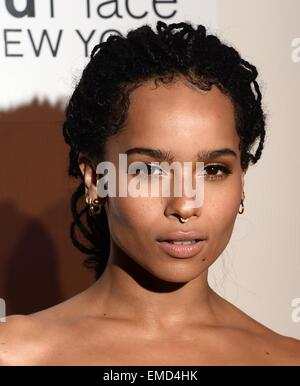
{"type": "Point", "coordinates": [127, 291]}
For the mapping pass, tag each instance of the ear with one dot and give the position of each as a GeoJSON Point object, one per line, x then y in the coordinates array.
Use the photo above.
{"type": "Point", "coordinates": [244, 171]}
{"type": "Point", "coordinates": [88, 171]}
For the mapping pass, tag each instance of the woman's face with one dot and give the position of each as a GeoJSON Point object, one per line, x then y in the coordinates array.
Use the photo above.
{"type": "Point", "coordinates": [182, 120]}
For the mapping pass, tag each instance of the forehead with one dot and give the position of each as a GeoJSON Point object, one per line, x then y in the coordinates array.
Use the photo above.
{"type": "Point", "coordinates": [178, 117]}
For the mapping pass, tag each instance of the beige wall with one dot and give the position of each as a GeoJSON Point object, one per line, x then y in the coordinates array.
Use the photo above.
{"type": "Point", "coordinates": [262, 260]}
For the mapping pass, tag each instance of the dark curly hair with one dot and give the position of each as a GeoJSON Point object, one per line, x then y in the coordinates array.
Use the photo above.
{"type": "Point", "coordinates": [99, 105]}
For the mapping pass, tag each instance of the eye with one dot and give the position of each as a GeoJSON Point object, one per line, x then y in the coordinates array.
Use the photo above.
{"type": "Point", "coordinates": [152, 169]}
{"type": "Point", "coordinates": [217, 172]}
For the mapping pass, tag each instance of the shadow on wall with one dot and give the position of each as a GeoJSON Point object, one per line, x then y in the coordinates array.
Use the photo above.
{"type": "Point", "coordinates": [31, 280]}
{"type": "Point", "coordinates": [39, 266]}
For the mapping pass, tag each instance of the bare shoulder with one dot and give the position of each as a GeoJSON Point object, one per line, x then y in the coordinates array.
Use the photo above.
{"type": "Point", "coordinates": [259, 339]}
{"type": "Point", "coordinates": [287, 348]}
{"type": "Point", "coordinates": [16, 336]}
{"type": "Point", "coordinates": [29, 339]}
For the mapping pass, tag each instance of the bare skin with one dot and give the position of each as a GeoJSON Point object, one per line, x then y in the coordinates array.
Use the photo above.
{"type": "Point", "coordinates": [149, 308]}
{"type": "Point", "coordinates": [80, 332]}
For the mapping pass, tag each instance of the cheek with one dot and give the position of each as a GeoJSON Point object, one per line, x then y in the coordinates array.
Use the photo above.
{"type": "Point", "coordinates": [131, 215]}
{"type": "Point", "coordinates": [222, 210]}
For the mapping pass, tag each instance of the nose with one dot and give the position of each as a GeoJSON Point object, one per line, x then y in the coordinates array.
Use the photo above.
{"type": "Point", "coordinates": [187, 198]}
{"type": "Point", "coordinates": [182, 207]}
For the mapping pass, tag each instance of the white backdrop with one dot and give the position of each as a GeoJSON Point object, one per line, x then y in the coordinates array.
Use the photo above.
{"type": "Point", "coordinates": [43, 54]}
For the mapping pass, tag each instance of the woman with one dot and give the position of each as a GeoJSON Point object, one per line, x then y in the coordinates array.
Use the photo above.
{"type": "Point", "coordinates": [177, 94]}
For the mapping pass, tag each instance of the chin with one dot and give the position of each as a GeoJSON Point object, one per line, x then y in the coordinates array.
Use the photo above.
{"type": "Point", "coordinates": [183, 272]}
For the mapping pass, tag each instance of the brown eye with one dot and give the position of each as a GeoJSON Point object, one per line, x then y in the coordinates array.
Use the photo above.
{"type": "Point", "coordinates": [215, 172]}
{"type": "Point", "coordinates": [152, 170]}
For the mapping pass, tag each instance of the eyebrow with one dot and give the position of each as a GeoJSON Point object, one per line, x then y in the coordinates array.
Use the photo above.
{"type": "Point", "coordinates": [162, 155]}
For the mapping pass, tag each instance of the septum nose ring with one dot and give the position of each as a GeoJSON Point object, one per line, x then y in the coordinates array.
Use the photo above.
{"type": "Point", "coordinates": [183, 220]}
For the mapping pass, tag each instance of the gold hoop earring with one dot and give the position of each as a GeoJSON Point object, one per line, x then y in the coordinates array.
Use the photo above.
{"type": "Point", "coordinates": [242, 203]}
{"type": "Point", "coordinates": [94, 205]}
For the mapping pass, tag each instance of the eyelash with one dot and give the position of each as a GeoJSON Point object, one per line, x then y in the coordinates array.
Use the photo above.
{"type": "Point", "coordinates": [226, 171]}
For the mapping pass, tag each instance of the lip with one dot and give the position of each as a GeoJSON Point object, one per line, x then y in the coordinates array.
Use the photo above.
{"type": "Point", "coordinates": [181, 235]}
{"type": "Point", "coordinates": [182, 251]}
